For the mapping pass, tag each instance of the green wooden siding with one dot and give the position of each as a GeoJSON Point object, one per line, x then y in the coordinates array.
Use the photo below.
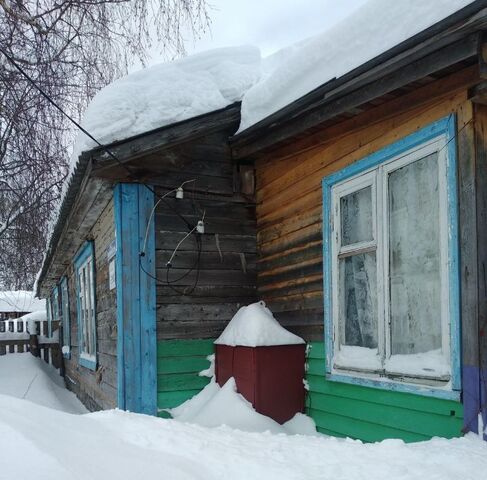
{"type": "Point", "coordinates": [178, 365]}
{"type": "Point", "coordinates": [339, 409]}
{"type": "Point", "coordinates": [371, 414]}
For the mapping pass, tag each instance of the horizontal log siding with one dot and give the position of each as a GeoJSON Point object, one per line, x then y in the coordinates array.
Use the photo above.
{"type": "Point", "coordinates": [289, 206]}
{"type": "Point", "coordinates": [225, 276]}
{"type": "Point", "coordinates": [371, 414]}
{"type": "Point", "coordinates": [97, 390]}
{"type": "Point", "coordinates": [289, 247]}
{"type": "Point", "coordinates": [178, 365]}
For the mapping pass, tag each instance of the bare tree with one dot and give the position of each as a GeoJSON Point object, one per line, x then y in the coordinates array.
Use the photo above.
{"type": "Point", "coordinates": [70, 49]}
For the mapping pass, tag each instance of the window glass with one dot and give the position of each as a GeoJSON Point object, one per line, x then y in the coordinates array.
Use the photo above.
{"type": "Point", "coordinates": [86, 309]}
{"type": "Point", "coordinates": [356, 216]}
{"type": "Point", "coordinates": [414, 257]}
{"type": "Point", "coordinates": [358, 300]}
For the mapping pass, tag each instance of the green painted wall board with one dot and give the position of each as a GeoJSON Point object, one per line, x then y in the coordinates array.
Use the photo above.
{"type": "Point", "coordinates": [178, 365]}
{"type": "Point", "coordinates": [339, 409]}
{"type": "Point", "coordinates": [372, 414]}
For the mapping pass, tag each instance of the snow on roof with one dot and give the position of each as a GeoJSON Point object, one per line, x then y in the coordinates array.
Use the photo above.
{"type": "Point", "coordinates": [372, 29]}
{"type": "Point", "coordinates": [255, 326]}
{"type": "Point", "coordinates": [20, 301]}
{"type": "Point", "coordinates": [168, 93]}
{"type": "Point", "coordinates": [180, 90]}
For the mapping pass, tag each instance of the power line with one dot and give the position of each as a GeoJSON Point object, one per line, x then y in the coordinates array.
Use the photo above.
{"type": "Point", "coordinates": [131, 174]}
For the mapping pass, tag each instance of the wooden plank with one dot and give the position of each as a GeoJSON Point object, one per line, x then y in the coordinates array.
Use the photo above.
{"type": "Point", "coordinates": [350, 149]}
{"type": "Point", "coordinates": [481, 200]}
{"type": "Point", "coordinates": [179, 348]}
{"type": "Point", "coordinates": [468, 264]}
{"type": "Point", "coordinates": [168, 137]}
{"type": "Point", "coordinates": [209, 242]}
{"type": "Point", "coordinates": [136, 299]}
{"type": "Point", "coordinates": [181, 382]}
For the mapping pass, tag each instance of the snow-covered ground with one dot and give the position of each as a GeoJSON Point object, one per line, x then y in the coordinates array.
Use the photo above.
{"type": "Point", "coordinates": [48, 443]}
{"type": "Point", "coordinates": [29, 378]}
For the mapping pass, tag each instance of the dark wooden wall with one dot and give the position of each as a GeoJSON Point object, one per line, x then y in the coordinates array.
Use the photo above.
{"type": "Point", "coordinates": [96, 389]}
{"type": "Point", "coordinates": [209, 291]}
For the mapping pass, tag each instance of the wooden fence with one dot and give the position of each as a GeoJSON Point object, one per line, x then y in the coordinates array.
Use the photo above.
{"type": "Point", "coordinates": [15, 337]}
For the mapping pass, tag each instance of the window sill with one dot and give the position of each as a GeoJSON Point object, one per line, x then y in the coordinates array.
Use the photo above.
{"type": "Point", "coordinates": [87, 361]}
{"type": "Point", "coordinates": [391, 385]}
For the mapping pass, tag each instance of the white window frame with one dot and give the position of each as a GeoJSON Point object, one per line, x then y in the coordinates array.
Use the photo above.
{"type": "Point", "coordinates": [86, 306]}
{"type": "Point", "coordinates": [376, 177]}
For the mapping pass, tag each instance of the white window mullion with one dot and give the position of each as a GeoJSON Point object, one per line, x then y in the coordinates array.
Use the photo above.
{"type": "Point", "coordinates": [382, 268]}
{"type": "Point", "coordinates": [445, 304]}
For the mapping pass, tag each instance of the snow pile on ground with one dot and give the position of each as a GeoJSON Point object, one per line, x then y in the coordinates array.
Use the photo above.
{"type": "Point", "coordinates": [255, 326]}
{"type": "Point", "coordinates": [215, 406]}
{"type": "Point", "coordinates": [372, 29]}
{"type": "Point", "coordinates": [168, 93]}
{"type": "Point", "coordinates": [115, 444]}
{"type": "Point", "coordinates": [27, 377]}
{"type": "Point", "coordinates": [20, 301]}
{"type": "Point", "coordinates": [122, 445]}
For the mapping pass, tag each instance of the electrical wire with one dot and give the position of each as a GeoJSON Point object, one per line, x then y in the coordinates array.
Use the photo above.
{"type": "Point", "coordinates": [130, 172]}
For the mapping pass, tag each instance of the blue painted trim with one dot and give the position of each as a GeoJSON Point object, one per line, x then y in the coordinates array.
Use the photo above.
{"type": "Point", "coordinates": [396, 386]}
{"type": "Point", "coordinates": [136, 300]}
{"type": "Point", "coordinates": [118, 210]}
{"type": "Point", "coordinates": [445, 126]}
{"type": "Point", "coordinates": [148, 366]}
{"type": "Point", "coordinates": [90, 364]}
{"type": "Point", "coordinates": [415, 139]}
{"type": "Point", "coordinates": [87, 250]}
{"type": "Point", "coordinates": [66, 317]}
{"type": "Point", "coordinates": [453, 253]}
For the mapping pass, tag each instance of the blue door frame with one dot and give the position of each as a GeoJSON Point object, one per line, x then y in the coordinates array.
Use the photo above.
{"type": "Point", "coordinates": [136, 299]}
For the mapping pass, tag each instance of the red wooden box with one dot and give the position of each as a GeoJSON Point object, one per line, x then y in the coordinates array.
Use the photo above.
{"type": "Point", "coordinates": [271, 378]}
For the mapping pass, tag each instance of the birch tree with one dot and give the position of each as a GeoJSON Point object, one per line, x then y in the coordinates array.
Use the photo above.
{"type": "Point", "coordinates": [70, 49]}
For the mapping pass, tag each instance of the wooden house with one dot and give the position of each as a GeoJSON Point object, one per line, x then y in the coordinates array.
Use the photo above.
{"type": "Point", "coordinates": [357, 212]}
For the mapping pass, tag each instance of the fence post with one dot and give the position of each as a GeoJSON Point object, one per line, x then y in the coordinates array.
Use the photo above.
{"type": "Point", "coordinates": [34, 345]}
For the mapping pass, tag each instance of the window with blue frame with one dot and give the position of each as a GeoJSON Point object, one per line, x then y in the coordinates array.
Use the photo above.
{"type": "Point", "coordinates": [391, 264]}
{"type": "Point", "coordinates": [66, 320]}
{"type": "Point", "coordinates": [53, 309]}
{"type": "Point", "coordinates": [85, 290]}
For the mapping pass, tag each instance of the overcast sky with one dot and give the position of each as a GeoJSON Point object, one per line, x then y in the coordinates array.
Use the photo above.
{"type": "Point", "coordinates": [268, 24]}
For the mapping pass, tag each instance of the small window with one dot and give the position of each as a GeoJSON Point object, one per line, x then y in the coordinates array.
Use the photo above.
{"type": "Point", "coordinates": [66, 320]}
{"type": "Point", "coordinates": [85, 286]}
{"type": "Point", "coordinates": [390, 279]}
{"type": "Point", "coordinates": [2, 326]}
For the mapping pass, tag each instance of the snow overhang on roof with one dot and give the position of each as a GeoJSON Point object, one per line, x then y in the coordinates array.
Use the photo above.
{"type": "Point", "coordinates": [451, 40]}
{"type": "Point", "coordinates": [90, 185]}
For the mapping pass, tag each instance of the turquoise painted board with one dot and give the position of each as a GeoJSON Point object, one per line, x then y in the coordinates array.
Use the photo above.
{"type": "Point", "coordinates": [136, 299]}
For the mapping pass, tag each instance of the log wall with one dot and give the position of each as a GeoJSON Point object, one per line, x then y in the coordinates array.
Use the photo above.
{"type": "Point", "coordinates": [289, 247]}
{"type": "Point", "coordinates": [200, 293]}
{"type": "Point", "coordinates": [96, 389]}
{"type": "Point", "coordinates": [289, 198]}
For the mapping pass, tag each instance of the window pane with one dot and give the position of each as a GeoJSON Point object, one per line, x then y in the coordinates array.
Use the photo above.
{"type": "Point", "coordinates": [356, 216]}
{"type": "Point", "coordinates": [414, 259]}
{"type": "Point", "coordinates": [358, 300]}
